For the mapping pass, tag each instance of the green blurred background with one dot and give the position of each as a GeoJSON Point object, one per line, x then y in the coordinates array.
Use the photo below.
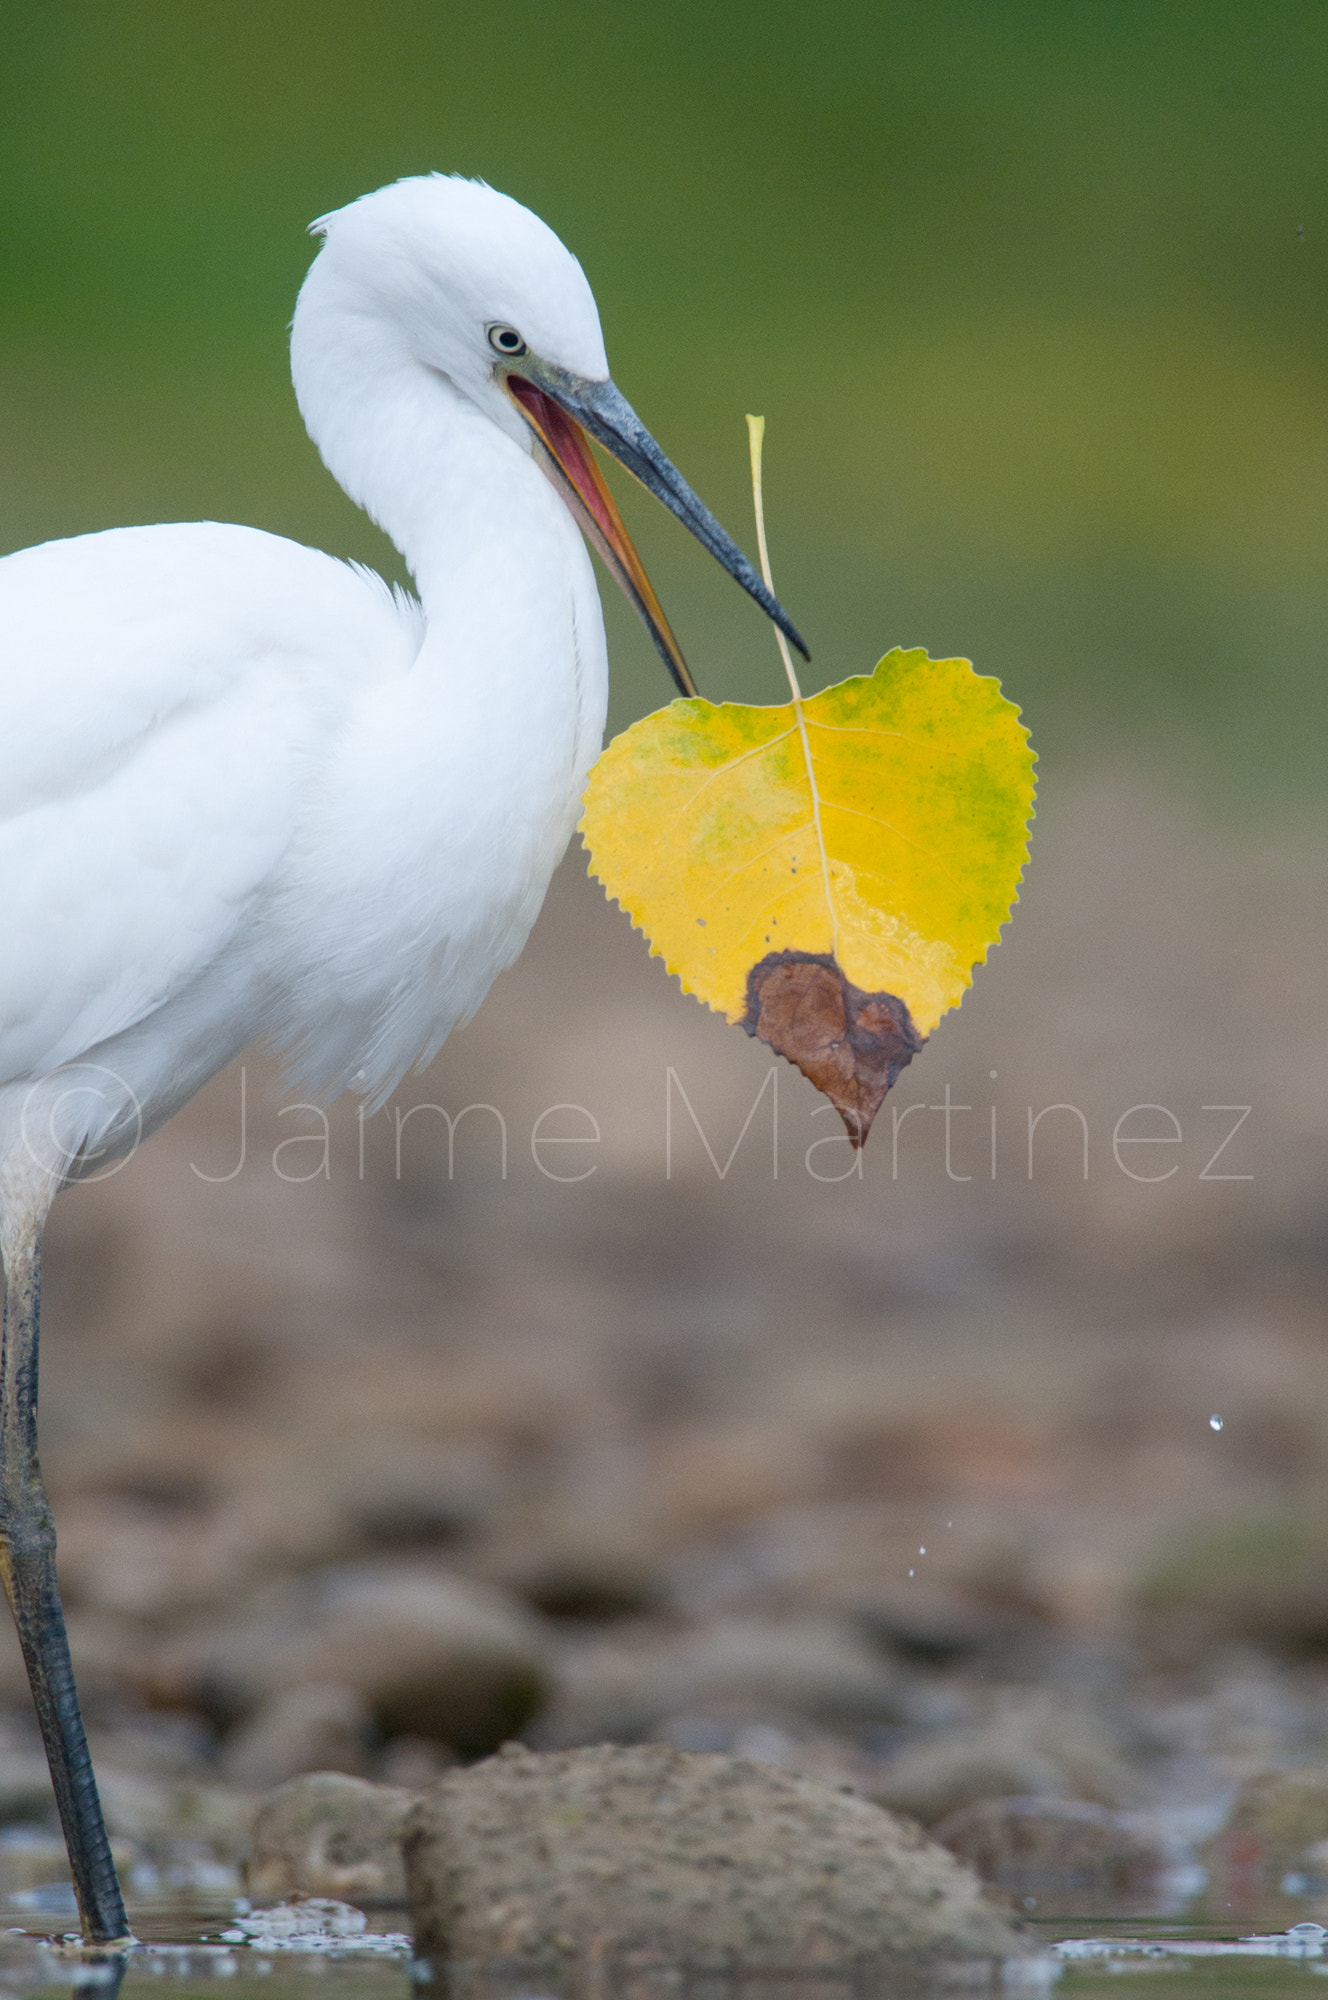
{"type": "Point", "coordinates": [1032, 295]}
{"type": "Point", "coordinates": [1033, 299]}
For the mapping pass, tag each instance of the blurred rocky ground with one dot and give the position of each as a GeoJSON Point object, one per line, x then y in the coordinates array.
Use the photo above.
{"type": "Point", "coordinates": [953, 1483]}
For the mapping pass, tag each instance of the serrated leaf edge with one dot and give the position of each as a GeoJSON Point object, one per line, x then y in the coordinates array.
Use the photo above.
{"type": "Point", "coordinates": [717, 708]}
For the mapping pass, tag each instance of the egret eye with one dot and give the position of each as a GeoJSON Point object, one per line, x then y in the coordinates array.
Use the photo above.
{"type": "Point", "coordinates": [506, 340]}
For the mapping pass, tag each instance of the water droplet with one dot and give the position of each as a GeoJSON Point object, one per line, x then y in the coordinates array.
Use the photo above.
{"type": "Point", "coordinates": [1215, 1423]}
{"type": "Point", "coordinates": [922, 1552]}
{"type": "Point", "coordinates": [911, 1572]}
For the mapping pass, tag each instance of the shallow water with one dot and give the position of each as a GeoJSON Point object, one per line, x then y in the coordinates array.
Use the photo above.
{"type": "Point", "coordinates": [188, 1946]}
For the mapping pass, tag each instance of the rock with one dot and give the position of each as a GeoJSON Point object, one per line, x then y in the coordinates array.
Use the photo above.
{"type": "Point", "coordinates": [412, 1763]}
{"type": "Point", "coordinates": [1033, 1748]}
{"type": "Point", "coordinates": [1251, 1718]}
{"type": "Point", "coordinates": [175, 1821]}
{"type": "Point", "coordinates": [591, 1578]}
{"type": "Point", "coordinates": [1275, 1838]}
{"type": "Point", "coordinates": [1053, 1847]}
{"type": "Point", "coordinates": [734, 1671]}
{"type": "Point", "coordinates": [709, 1475]}
{"type": "Point", "coordinates": [647, 1850]}
{"type": "Point", "coordinates": [329, 1835]}
{"type": "Point", "coordinates": [810, 1752]}
{"type": "Point", "coordinates": [400, 1493]}
{"type": "Point", "coordinates": [814, 1668]}
{"type": "Point", "coordinates": [608, 1690]}
{"type": "Point", "coordinates": [1262, 1580]}
{"type": "Point", "coordinates": [312, 1728]}
{"type": "Point", "coordinates": [930, 1781]}
{"type": "Point", "coordinates": [932, 1626]}
{"type": "Point", "coordinates": [430, 1654]}
{"type": "Point", "coordinates": [155, 1745]}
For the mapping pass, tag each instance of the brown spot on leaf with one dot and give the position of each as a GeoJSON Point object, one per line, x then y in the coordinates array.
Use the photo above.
{"type": "Point", "coordinates": [850, 1044]}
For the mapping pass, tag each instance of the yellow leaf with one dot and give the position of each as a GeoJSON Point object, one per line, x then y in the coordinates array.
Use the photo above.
{"type": "Point", "coordinates": [827, 872]}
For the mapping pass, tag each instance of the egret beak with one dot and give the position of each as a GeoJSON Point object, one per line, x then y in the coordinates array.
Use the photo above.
{"type": "Point", "coordinates": [560, 408]}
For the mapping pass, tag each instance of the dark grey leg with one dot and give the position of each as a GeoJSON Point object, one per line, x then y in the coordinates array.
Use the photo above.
{"type": "Point", "coordinates": [27, 1569]}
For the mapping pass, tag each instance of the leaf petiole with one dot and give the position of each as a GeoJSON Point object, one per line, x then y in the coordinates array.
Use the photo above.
{"type": "Point", "coordinates": [756, 443]}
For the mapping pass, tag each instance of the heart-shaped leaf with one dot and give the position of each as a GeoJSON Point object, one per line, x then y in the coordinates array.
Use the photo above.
{"type": "Point", "coordinates": [827, 872]}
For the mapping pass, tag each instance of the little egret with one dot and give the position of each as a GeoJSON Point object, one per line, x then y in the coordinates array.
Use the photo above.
{"type": "Point", "coordinates": [247, 790]}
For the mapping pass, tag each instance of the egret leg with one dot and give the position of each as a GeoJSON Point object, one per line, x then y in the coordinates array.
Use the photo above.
{"type": "Point", "coordinates": [27, 1568]}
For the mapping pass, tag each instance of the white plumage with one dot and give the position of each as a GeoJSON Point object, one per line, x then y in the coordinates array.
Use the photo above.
{"type": "Point", "coordinates": [247, 790]}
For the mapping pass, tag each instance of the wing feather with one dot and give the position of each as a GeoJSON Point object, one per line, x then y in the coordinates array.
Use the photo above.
{"type": "Point", "coordinates": [165, 696]}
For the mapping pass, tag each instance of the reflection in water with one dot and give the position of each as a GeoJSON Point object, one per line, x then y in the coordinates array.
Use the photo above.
{"type": "Point", "coordinates": [639, 1976]}
{"type": "Point", "coordinates": [277, 1962]}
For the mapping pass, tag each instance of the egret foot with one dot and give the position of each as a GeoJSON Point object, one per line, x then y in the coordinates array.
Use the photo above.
{"type": "Point", "coordinates": [27, 1569]}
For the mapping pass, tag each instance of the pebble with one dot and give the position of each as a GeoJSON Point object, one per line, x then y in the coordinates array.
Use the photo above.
{"type": "Point", "coordinates": [175, 1821]}
{"type": "Point", "coordinates": [729, 1671]}
{"type": "Point", "coordinates": [330, 1836]}
{"type": "Point", "coordinates": [1054, 1847]}
{"type": "Point", "coordinates": [932, 1626]}
{"type": "Point", "coordinates": [1256, 1580]}
{"type": "Point", "coordinates": [428, 1653]}
{"type": "Point", "coordinates": [310, 1728]}
{"type": "Point", "coordinates": [1031, 1748]}
{"type": "Point", "coordinates": [816, 1668]}
{"type": "Point", "coordinates": [1275, 1838]}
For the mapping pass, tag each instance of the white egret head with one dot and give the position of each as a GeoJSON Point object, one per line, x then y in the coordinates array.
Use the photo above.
{"type": "Point", "coordinates": [449, 275]}
{"type": "Point", "coordinates": [446, 260]}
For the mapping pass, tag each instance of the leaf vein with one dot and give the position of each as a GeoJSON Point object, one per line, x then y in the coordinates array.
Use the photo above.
{"type": "Point", "coordinates": [853, 729]}
{"type": "Point", "coordinates": [876, 820]}
{"type": "Point", "coordinates": [753, 859]}
{"type": "Point", "coordinates": [723, 770]}
{"type": "Point", "coordinates": [759, 918]}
